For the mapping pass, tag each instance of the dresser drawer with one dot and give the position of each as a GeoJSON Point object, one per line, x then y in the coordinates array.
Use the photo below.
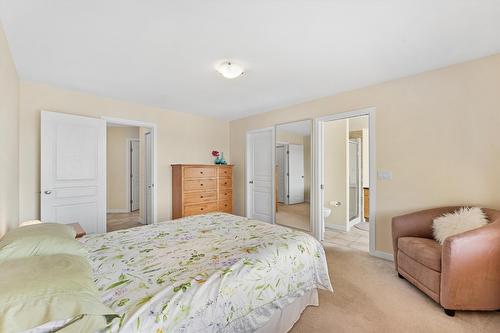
{"type": "Point", "coordinates": [225, 194]}
{"type": "Point", "coordinates": [199, 197]}
{"type": "Point", "coordinates": [200, 184]}
{"type": "Point", "coordinates": [199, 172]}
{"type": "Point", "coordinates": [226, 206]}
{"type": "Point", "coordinates": [225, 172]}
{"type": "Point", "coordinates": [225, 183]}
{"type": "Point", "coordinates": [200, 209]}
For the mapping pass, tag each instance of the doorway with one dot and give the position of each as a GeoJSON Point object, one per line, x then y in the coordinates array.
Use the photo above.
{"type": "Point", "coordinates": [134, 174]}
{"type": "Point", "coordinates": [293, 174]}
{"type": "Point", "coordinates": [347, 179]}
{"type": "Point", "coordinates": [75, 171]}
{"type": "Point", "coordinates": [130, 174]}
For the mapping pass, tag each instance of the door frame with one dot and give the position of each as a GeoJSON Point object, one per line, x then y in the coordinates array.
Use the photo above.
{"type": "Point", "coordinates": [285, 162]}
{"type": "Point", "coordinates": [148, 151]}
{"type": "Point", "coordinates": [359, 218]}
{"type": "Point", "coordinates": [153, 128]}
{"type": "Point", "coordinates": [128, 189]}
{"type": "Point", "coordinates": [273, 171]}
{"type": "Point", "coordinates": [318, 148]}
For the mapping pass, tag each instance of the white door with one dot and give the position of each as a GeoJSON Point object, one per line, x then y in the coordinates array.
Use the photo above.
{"type": "Point", "coordinates": [295, 174]}
{"type": "Point", "coordinates": [280, 172]}
{"type": "Point", "coordinates": [135, 179]}
{"type": "Point", "coordinates": [73, 170]}
{"type": "Point", "coordinates": [148, 174]}
{"type": "Point", "coordinates": [260, 167]}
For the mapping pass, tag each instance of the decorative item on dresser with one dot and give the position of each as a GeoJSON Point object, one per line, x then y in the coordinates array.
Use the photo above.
{"type": "Point", "coordinates": [201, 188]}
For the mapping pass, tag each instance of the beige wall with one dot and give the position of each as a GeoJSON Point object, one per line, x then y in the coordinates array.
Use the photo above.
{"type": "Point", "coordinates": [288, 137]}
{"type": "Point", "coordinates": [116, 141]}
{"type": "Point", "coordinates": [336, 134]}
{"type": "Point", "coordinates": [437, 132]}
{"type": "Point", "coordinates": [9, 137]}
{"type": "Point", "coordinates": [182, 137]}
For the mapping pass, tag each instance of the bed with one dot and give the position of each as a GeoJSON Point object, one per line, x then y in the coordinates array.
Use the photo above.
{"type": "Point", "coordinates": [208, 273]}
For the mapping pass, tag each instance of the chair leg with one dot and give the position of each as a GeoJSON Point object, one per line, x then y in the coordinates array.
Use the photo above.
{"type": "Point", "coordinates": [449, 312]}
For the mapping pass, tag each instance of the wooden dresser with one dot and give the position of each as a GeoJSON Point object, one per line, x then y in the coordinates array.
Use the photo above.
{"type": "Point", "coordinates": [201, 188]}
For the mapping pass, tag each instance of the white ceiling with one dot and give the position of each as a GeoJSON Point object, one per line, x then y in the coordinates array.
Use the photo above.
{"type": "Point", "coordinates": [162, 52]}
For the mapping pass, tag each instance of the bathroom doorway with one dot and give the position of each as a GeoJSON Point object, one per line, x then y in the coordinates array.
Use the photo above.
{"type": "Point", "coordinates": [346, 184]}
{"type": "Point", "coordinates": [293, 174]}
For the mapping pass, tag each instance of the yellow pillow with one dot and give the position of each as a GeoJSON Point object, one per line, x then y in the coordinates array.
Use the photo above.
{"type": "Point", "coordinates": [40, 239]}
{"type": "Point", "coordinates": [41, 289]}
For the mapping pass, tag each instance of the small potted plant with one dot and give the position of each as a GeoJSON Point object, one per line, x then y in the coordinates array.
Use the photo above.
{"type": "Point", "coordinates": [216, 154]}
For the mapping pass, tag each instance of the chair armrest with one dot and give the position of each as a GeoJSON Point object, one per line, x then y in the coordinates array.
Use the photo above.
{"type": "Point", "coordinates": [417, 224]}
{"type": "Point", "coordinates": [470, 273]}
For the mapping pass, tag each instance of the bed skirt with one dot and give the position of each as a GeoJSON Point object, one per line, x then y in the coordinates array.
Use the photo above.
{"type": "Point", "coordinates": [283, 319]}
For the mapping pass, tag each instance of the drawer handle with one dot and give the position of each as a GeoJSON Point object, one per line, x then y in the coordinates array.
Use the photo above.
{"type": "Point", "coordinates": [201, 208]}
{"type": "Point", "coordinates": [225, 183]}
{"type": "Point", "coordinates": [225, 193]}
{"type": "Point", "coordinates": [201, 184]}
{"type": "Point", "coordinates": [201, 172]}
{"type": "Point", "coordinates": [201, 197]}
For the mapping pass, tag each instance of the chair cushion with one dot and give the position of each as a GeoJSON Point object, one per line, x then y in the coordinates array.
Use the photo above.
{"type": "Point", "coordinates": [424, 278]}
{"type": "Point", "coordinates": [423, 250]}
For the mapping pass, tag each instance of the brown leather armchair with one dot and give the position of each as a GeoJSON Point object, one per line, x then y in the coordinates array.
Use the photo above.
{"type": "Point", "coordinates": [463, 273]}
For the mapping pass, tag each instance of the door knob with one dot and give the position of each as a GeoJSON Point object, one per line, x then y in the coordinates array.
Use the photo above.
{"type": "Point", "coordinates": [250, 182]}
{"type": "Point", "coordinates": [47, 192]}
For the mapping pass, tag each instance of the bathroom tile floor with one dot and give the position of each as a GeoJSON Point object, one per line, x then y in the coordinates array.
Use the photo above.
{"type": "Point", "coordinates": [297, 217]}
{"type": "Point", "coordinates": [354, 239]}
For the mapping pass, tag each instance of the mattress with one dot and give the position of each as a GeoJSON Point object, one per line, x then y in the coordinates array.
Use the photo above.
{"type": "Point", "coordinates": [208, 273]}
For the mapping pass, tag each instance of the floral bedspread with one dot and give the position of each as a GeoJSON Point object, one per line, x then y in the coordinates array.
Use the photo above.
{"type": "Point", "coordinates": [209, 273]}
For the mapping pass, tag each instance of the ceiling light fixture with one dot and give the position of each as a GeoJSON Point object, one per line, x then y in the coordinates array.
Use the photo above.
{"type": "Point", "coordinates": [229, 69]}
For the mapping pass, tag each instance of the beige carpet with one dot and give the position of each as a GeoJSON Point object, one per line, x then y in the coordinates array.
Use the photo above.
{"type": "Point", "coordinates": [369, 297]}
{"type": "Point", "coordinates": [295, 216]}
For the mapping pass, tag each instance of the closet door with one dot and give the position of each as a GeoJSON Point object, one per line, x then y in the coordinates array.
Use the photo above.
{"type": "Point", "coordinates": [295, 173]}
{"type": "Point", "coordinates": [260, 168]}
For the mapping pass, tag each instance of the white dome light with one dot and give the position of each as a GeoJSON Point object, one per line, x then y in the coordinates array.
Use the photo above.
{"type": "Point", "coordinates": [229, 70]}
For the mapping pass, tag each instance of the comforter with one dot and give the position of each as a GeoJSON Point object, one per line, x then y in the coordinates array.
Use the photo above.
{"type": "Point", "coordinates": [209, 273]}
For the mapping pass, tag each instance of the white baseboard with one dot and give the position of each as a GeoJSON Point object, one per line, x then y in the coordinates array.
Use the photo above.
{"type": "Point", "coordinates": [382, 255]}
{"type": "Point", "coordinates": [342, 228]}
{"type": "Point", "coordinates": [118, 210]}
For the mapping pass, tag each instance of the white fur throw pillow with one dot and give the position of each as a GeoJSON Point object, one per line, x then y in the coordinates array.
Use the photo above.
{"type": "Point", "coordinates": [464, 219]}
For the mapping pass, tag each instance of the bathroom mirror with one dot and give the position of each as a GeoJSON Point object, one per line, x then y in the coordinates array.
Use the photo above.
{"type": "Point", "coordinates": [293, 174]}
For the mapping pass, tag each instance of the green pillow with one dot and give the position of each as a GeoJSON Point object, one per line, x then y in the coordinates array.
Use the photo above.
{"type": "Point", "coordinates": [41, 289]}
{"type": "Point", "coordinates": [40, 239]}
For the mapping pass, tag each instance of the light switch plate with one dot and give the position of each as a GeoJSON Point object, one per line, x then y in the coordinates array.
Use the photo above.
{"type": "Point", "coordinates": [384, 175]}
